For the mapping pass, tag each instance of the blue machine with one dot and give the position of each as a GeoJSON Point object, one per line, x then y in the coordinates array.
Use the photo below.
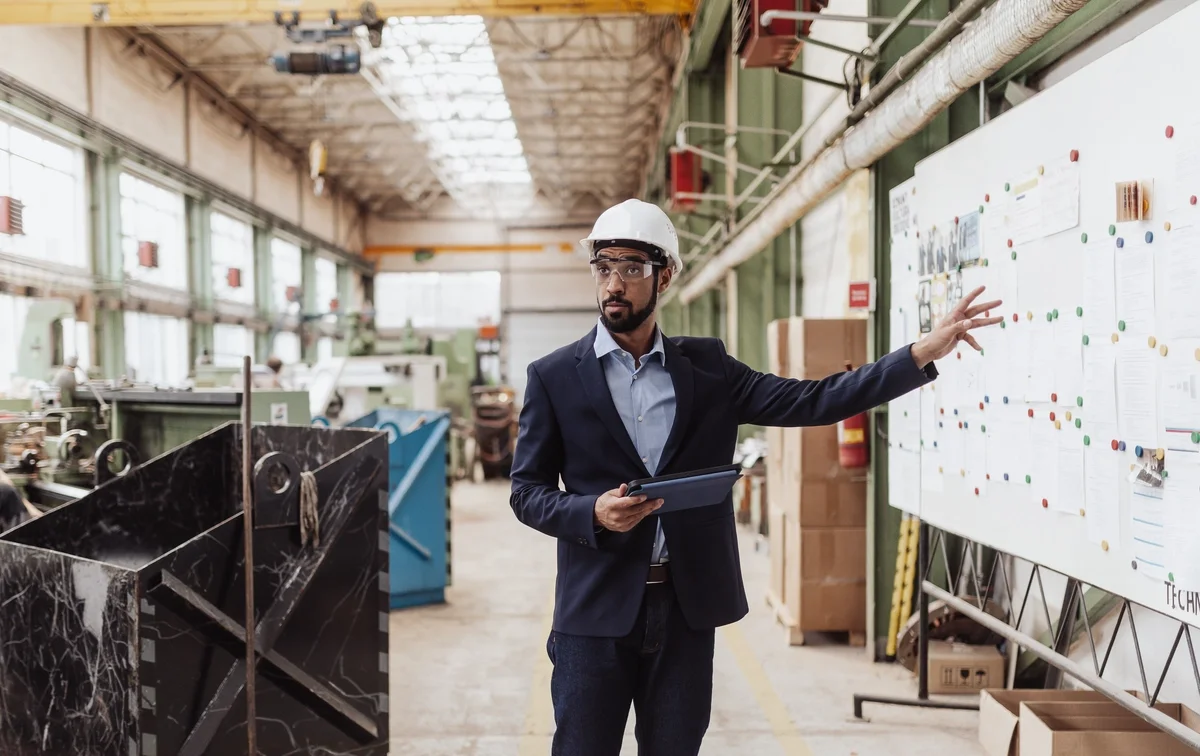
{"type": "Point", "coordinates": [418, 503]}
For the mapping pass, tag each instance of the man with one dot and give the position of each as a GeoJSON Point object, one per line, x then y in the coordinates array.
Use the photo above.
{"type": "Point", "coordinates": [14, 508]}
{"type": "Point", "coordinates": [638, 596]}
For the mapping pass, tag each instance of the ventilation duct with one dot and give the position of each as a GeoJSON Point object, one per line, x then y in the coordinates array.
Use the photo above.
{"type": "Point", "coordinates": [1000, 34]}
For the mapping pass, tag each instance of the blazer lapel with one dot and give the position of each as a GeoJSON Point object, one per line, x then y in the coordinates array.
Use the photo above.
{"type": "Point", "coordinates": [595, 385]}
{"type": "Point", "coordinates": [683, 378]}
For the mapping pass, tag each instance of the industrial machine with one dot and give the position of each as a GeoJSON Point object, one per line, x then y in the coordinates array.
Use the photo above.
{"type": "Point", "coordinates": [495, 426]}
{"type": "Point", "coordinates": [346, 388]}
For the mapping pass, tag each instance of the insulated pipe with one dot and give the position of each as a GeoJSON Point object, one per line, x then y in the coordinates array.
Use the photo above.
{"type": "Point", "coordinates": [1003, 32]}
{"type": "Point", "coordinates": [773, 15]}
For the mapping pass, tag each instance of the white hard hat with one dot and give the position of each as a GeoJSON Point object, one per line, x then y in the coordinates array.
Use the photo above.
{"type": "Point", "coordinates": [637, 221]}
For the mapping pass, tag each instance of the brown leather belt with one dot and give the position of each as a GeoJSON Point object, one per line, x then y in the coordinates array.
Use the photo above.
{"type": "Point", "coordinates": [659, 573]}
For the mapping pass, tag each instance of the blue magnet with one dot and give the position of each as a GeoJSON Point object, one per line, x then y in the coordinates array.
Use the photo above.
{"type": "Point", "coordinates": [940, 424]}
{"type": "Point", "coordinates": [987, 400]}
{"type": "Point", "coordinates": [1006, 476]}
{"type": "Point", "coordinates": [1121, 446]}
{"type": "Point", "coordinates": [1120, 242]}
{"type": "Point", "coordinates": [1006, 400]}
{"type": "Point", "coordinates": [935, 444]}
{"type": "Point", "coordinates": [965, 425]}
{"type": "Point", "coordinates": [1137, 451]}
{"type": "Point", "coordinates": [1149, 237]}
{"type": "Point", "coordinates": [956, 412]}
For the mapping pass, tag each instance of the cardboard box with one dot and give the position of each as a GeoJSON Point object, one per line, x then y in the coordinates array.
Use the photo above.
{"type": "Point", "coordinates": [1099, 729]}
{"type": "Point", "coordinates": [959, 668]}
{"type": "Point", "coordinates": [777, 552]}
{"type": "Point", "coordinates": [999, 714]}
{"type": "Point", "coordinates": [836, 503]}
{"type": "Point", "coordinates": [828, 591]}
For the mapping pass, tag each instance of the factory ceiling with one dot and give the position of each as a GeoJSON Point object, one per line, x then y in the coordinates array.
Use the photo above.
{"type": "Point", "coordinates": [514, 118]}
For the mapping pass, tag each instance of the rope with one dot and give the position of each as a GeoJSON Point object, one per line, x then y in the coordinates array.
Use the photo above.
{"type": "Point", "coordinates": [309, 520]}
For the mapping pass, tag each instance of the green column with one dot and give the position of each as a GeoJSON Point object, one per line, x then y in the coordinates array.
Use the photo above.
{"type": "Point", "coordinates": [309, 304]}
{"type": "Point", "coordinates": [107, 262]}
{"type": "Point", "coordinates": [262, 288]}
{"type": "Point", "coordinates": [200, 260]}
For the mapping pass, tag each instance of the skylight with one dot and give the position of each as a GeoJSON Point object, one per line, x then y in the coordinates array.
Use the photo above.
{"type": "Point", "coordinates": [443, 73]}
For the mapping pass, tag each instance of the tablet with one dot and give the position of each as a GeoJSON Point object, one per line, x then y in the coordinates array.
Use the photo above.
{"type": "Point", "coordinates": [688, 490]}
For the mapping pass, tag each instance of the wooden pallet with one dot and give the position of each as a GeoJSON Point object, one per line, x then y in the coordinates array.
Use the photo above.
{"type": "Point", "coordinates": [794, 636]}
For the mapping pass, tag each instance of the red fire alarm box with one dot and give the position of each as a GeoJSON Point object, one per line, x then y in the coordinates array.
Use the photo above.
{"type": "Point", "coordinates": [778, 44]}
{"type": "Point", "coordinates": [12, 216]}
{"type": "Point", "coordinates": [686, 178]}
{"type": "Point", "coordinates": [233, 277]}
{"type": "Point", "coordinates": [293, 293]}
{"type": "Point", "coordinates": [148, 254]}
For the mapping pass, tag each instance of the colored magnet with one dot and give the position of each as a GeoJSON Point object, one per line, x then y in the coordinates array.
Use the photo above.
{"type": "Point", "coordinates": [1104, 545]}
{"type": "Point", "coordinates": [1006, 400]}
{"type": "Point", "coordinates": [987, 198]}
{"type": "Point", "coordinates": [956, 412]}
{"type": "Point", "coordinates": [1054, 397]}
{"type": "Point", "coordinates": [1115, 445]}
{"type": "Point", "coordinates": [1165, 473]}
{"type": "Point", "coordinates": [1031, 413]}
{"type": "Point", "coordinates": [1041, 170]}
{"type": "Point", "coordinates": [1112, 230]}
{"type": "Point", "coordinates": [957, 357]}
{"type": "Point", "coordinates": [987, 476]}
{"type": "Point", "coordinates": [1120, 325]}
{"type": "Point", "coordinates": [1029, 315]}
{"type": "Point", "coordinates": [1121, 446]}
{"type": "Point", "coordinates": [962, 473]}
{"type": "Point", "coordinates": [1007, 186]}
{"type": "Point", "coordinates": [1159, 454]}
{"type": "Point", "coordinates": [1068, 417]}
{"type": "Point", "coordinates": [1167, 226]}
{"type": "Point", "coordinates": [1083, 237]}
{"type": "Point", "coordinates": [1056, 314]}
{"type": "Point", "coordinates": [1049, 317]}
{"type": "Point", "coordinates": [986, 400]}
{"type": "Point", "coordinates": [1015, 320]}
{"type": "Point", "coordinates": [1195, 437]}
{"type": "Point", "coordinates": [1003, 323]}
{"type": "Point", "coordinates": [981, 209]}
{"type": "Point", "coordinates": [1028, 479]}
{"type": "Point", "coordinates": [1162, 349]}
{"type": "Point", "coordinates": [1045, 504]}
{"type": "Point", "coordinates": [976, 491]}
{"type": "Point", "coordinates": [1085, 340]}
{"type": "Point", "coordinates": [1171, 576]}
{"type": "Point", "coordinates": [960, 425]}
{"type": "Point", "coordinates": [966, 424]}
{"type": "Point", "coordinates": [1078, 422]}
{"type": "Point", "coordinates": [1120, 243]}
{"type": "Point", "coordinates": [935, 444]}
{"type": "Point", "coordinates": [1079, 312]}
{"type": "Point", "coordinates": [941, 410]}
{"type": "Point", "coordinates": [1014, 255]}
{"type": "Point", "coordinates": [1170, 131]}
{"type": "Point", "coordinates": [1079, 401]}
{"type": "Point", "coordinates": [983, 428]}
{"type": "Point", "coordinates": [1006, 476]}
{"type": "Point", "coordinates": [1058, 425]}
{"type": "Point", "coordinates": [981, 405]}
{"type": "Point", "coordinates": [1137, 451]}
{"type": "Point", "coordinates": [1074, 156]}
{"type": "Point", "coordinates": [940, 469]}
{"type": "Point", "coordinates": [1149, 237]}
{"type": "Point", "coordinates": [1087, 440]}
{"type": "Point", "coordinates": [1192, 200]}
{"type": "Point", "coordinates": [940, 424]}
{"type": "Point", "coordinates": [1153, 342]}
{"type": "Point", "coordinates": [1010, 244]}
{"type": "Point", "coordinates": [1115, 338]}
{"type": "Point", "coordinates": [1082, 513]}
{"type": "Point", "coordinates": [1196, 354]}
{"type": "Point", "coordinates": [1051, 417]}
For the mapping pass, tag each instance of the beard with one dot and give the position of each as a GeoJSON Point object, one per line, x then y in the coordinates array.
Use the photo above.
{"type": "Point", "coordinates": [630, 319]}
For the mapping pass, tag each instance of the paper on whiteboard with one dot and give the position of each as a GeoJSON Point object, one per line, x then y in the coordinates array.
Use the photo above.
{"type": "Point", "coordinates": [1179, 394]}
{"type": "Point", "coordinates": [951, 448]}
{"type": "Point", "coordinates": [1100, 382]}
{"type": "Point", "coordinates": [1060, 199]}
{"type": "Point", "coordinates": [1019, 346]}
{"type": "Point", "coordinates": [1043, 443]}
{"type": "Point", "coordinates": [932, 478]}
{"type": "Point", "coordinates": [997, 363]}
{"type": "Point", "coordinates": [1069, 498]}
{"type": "Point", "coordinates": [1023, 213]}
{"type": "Point", "coordinates": [1178, 266]}
{"type": "Point", "coordinates": [900, 202]}
{"type": "Point", "coordinates": [1147, 523]}
{"type": "Point", "coordinates": [1181, 516]}
{"type": "Point", "coordinates": [904, 421]}
{"type": "Point", "coordinates": [1102, 487]}
{"type": "Point", "coordinates": [1187, 166]}
{"type": "Point", "coordinates": [1099, 290]}
{"type": "Point", "coordinates": [1041, 361]}
{"type": "Point", "coordinates": [904, 480]}
{"type": "Point", "coordinates": [929, 416]}
{"type": "Point", "coordinates": [1137, 402]}
{"type": "Point", "coordinates": [977, 460]}
{"type": "Point", "coordinates": [1135, 289]}
{"type": "Point", "coordinates": [1037, 280]}
{"type": "Point", "coordinates": [1068, 359]}
{"type": "Point", "coordinates": [1008, 449]}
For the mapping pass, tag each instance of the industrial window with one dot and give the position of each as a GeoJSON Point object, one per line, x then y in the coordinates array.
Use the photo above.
{"type": "Point", "coordinates": [76, 341]}
{"type": "Point", "coordinates": [231, 343]}
{"type": "Point", "coordinates": [437, 300]}
{"type": "Point", "coordinates": [48, 178]}
{"type": "Point", "coordinates": [12, 313]}
{"type": "Point", "coordinates": [232, 259]}
{"type": "Point", "coordinates": [287, 347]}
{"type": "Point", "coordinates": [153, 233]}
{"type": "Point", "coordinates": [324, 349]}
{"type": "Point", "coordinates": [326, 285]}
{"type": "Point", "coordinates": [156, 348]}
{"type": "Point", "coordinates": [286, 274]}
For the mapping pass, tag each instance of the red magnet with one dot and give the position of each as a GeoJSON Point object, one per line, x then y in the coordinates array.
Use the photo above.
{"type": "Point", "coordinates": [981, 405]}
{"type": "Point", "coordinates": [1051, 417]}
{"type": "Point", "coordinates": [1010, 243]}
{"type": "Point", "coordinates": [1031, 413]}
{"type": "Point", "coordinates": [988, 476]}
{"type": "Point", "coordinates": [1114, 445]}
{"type": "Point", "coordinates": [960, 423]}
{"type": "Point", "coordinates": [1053, 398]}
{"type": "Point", "coordinates": [956, 220]}
{"type": "Point", "coordinates": [987, 198]}
{"type": "Point", "coordinates": [1074, 156]}
{"type": "Point", "coordinates": [1045, 504]}
{"type": "Point", "coordinates": [942, 411]}
{"type": "Point", "coordinates": [1170, 131]}
{"type": "Point", "coordinates": [976, 491]}
{"type": "Point", "coordinates": [958, 355]}
{"type": "Point", "coordinates": [1015, 318]}
{"type": "Point", "coordinates": [1193, 199]}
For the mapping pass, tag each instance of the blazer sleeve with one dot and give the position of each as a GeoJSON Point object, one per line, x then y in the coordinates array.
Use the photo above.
{"type": "Point", "coordinates": [765, 399]}
{"type": "Point", "coordinates": [537, 464]}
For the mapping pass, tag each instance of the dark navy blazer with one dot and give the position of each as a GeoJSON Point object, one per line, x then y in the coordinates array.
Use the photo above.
{"type": "Point", "coordinates": [570, 429]}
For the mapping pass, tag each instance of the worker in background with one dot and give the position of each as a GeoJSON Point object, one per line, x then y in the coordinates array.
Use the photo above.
{"type": "Point", "coordinates": [276, 366]}
{"type": "Point", "coordinates": [65, 381]}
{"type": "Point", "coordinates": [638, 596]}
{"type": "Point", "coordinates": [14, 508]}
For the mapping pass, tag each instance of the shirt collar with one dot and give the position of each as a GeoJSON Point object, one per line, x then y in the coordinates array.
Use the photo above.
{"type": "Point", "coordinates": [606, 344]}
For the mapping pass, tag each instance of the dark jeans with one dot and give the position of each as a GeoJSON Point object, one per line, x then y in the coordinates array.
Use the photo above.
{"type": "Point", "coordinates": [663, 667]}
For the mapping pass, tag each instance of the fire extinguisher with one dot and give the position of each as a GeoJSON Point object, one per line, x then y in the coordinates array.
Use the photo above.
{"type": "Point", "coordinates": [854, 451]}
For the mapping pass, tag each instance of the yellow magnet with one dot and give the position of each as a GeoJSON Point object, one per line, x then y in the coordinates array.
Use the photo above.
{"type": "Point", "coordinates": [1104, 545]}
{"type": "Point", "coordinates": [1163, 350]}
{"type": "Point", "coordinates": [962, 472]}
{"type": "Point", "coordinates": [1167, 226]}
{"type": "Point", "coordinates": [1029, 315]}
{"type": "Point", "coordinates": [1153, 342]}
{"type": "Point", "coordinates": [1058, 425]}
{"type": "Point", "coordinates": [939, 468]}
{"type": "Point", "coordinates": [1116, 338]}
{"type": "Point", "coordinates": [1082, 513]}
{"type": "Point", "coordinates": [1041, 170]}
{"type": "Point", "coordinates": [1068, 417]}
{"type": "Point", "coordinates": [1159, 454]}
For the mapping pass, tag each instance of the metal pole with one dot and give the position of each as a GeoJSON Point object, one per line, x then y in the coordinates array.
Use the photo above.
{"type": "Point", "coordinates": [1116, 693]}
{"type": "Point", "coordinates": [782, 15]}
{"type": "Point", "coordinates": [923, 621]}
{"type": "Point", "coordinates": [792, 270]}
{"type": "Point", "coordinates": [248, 540]}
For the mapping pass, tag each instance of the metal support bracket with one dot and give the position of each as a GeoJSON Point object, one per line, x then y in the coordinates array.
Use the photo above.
{"type": "Point", "coordinates": [814, 79]}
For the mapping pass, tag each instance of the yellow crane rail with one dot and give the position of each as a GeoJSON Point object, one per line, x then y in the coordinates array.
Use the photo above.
{"type": "Point", "coordinates": [242, 12]}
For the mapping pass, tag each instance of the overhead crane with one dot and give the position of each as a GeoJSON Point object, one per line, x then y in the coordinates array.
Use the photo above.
{"type": "Point", "coordinates": [245, 12]}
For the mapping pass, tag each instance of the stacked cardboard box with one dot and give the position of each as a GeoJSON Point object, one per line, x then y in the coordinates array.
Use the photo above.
{"type": "Point", "coordinates": [817, 510]}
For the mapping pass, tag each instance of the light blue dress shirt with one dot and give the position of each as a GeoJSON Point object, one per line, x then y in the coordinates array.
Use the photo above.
{"type": "Point", "coordinates": [645, 399]}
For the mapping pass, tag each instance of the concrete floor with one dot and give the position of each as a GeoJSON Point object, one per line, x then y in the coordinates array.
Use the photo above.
{"type": "Point", "coordinates": [471, 677]}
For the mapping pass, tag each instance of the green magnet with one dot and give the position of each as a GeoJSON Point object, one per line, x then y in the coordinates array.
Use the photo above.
{"type": "Point", "coordinates": [1078, 423]}
{"type": "Point", "coordinates": [1028, 479]}
{"type": "Point", "coordinates": [1121, 325]}
{"type": "Point", "coordinates": [1195, 437]}
{"type": "Point", "coordinates": [1007, 186]}
{"type": "Point", "coordinates": [1112, 230]}
{"type": "Point", "coordinates": [1079, 401]}
{"type": "Point", "coordinates": [1014, 255]}
{"type": "Point", "coordinates": [1087, 440]}
{"type": "Point", "coordinates": [1056, 314]}
{"type": "Point", "coordinates": [1170, 575]}
{"type": "Point", "coordinates": [1164, 473]}
{"type": "Point", "coordinates": [983, 428]}
{"type": "Point", "coordinates": [1085, 340]}
{"type": "Point", "coordinates": [1002, 324]}
{"type": "Point", "coordinates": [981, 209]}
{"type": "Point", "coordinates": [1049, 317]}
{"type": "Point", "coordinates": [1083, 238]}
{"type": "Point", "coordinates": [985, 262]}
{"type": "Point", "coordinates": [1079, 312]}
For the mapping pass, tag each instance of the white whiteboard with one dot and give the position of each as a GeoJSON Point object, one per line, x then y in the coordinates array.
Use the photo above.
{"type": "Point", "coordinates": [1066, 505]}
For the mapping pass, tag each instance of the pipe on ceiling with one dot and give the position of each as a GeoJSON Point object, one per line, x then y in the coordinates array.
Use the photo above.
{"type": "Point", "coordinates": [1001, 33]}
